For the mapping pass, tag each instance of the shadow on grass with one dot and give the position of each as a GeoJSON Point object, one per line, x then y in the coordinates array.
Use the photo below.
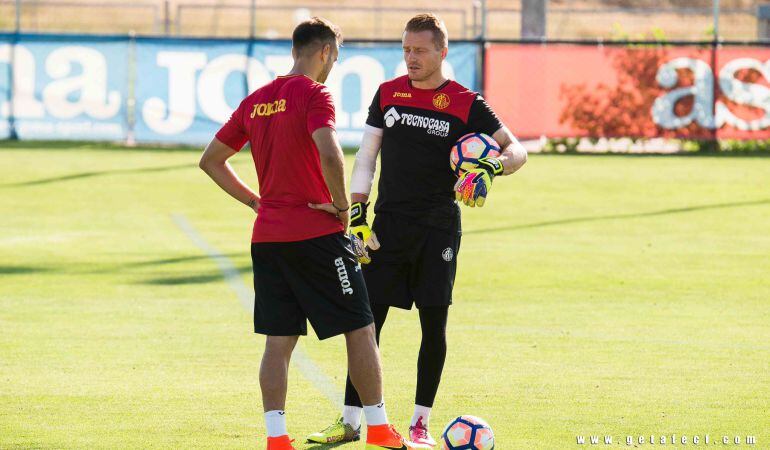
{"type": "Point", "coordinates": [684, 153]}
{"type": "Point", "coordinates": [586, 219]}
{"type": "Point", "coordinates": [113, 146]}
{"type": "Point", "coordinates": [126, 267]}
{"type": "Point", "coordinates": [174, 281]}
{"type": "Point", "coordinates": [192, 279]}
{"type": "Point", "coordinates": [164, 261]}
{"type": "Point", "coordinates": [82, 175]}
{"type": "Point", "coordinates": [18, 270]}
{"type": "Point", "coordinates": [94, 145]}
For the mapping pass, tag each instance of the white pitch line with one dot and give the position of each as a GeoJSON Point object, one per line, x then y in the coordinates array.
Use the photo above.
{"type": "Point", "coordinates": [231, 274]}
{"type": "Point", "coordinates": [299, 358]}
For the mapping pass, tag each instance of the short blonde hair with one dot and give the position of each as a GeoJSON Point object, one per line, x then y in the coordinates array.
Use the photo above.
{"type": "Point", "coordinates": [430, 22]}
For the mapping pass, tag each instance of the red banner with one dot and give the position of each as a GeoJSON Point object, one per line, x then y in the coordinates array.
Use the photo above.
{"type": "Point", "coordinates": [567, 90]}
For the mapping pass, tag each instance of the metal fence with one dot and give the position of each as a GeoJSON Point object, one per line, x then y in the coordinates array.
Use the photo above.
{"type": "Point", "coordinates": [634, 23]}
{"type": "Point", "coordinates": [81, 16]}
{"type": "Point", "coordinates": [361, 22]}
{"type": "Point", "coordinates": [376, 19]}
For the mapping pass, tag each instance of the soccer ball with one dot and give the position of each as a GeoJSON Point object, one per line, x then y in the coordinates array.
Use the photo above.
{"type": "Point", "coordinates": [469, 149]}
{"type": "Point", "coordinates": [467, 433]}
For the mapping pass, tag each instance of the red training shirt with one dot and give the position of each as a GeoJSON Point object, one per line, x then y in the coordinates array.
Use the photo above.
{"type": "Point", "coordinates": [278, 120]}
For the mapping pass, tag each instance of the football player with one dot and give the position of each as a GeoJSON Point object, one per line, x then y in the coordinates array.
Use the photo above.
{"type": "Point", "coordinates": [413, 121]}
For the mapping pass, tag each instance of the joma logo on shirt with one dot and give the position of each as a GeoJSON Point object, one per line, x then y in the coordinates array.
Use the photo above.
{"type": "Point", "coordinates": [402, 94]}
{"type": "Point", "coordinates": [268, 109]}
{"type": "Point", "coordinates": [431, 125]}
{"type": "Point", "coordinates": [342, 273]}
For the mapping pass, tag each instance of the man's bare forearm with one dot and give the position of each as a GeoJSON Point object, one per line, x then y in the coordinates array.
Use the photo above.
{"type": "Point", "coordinates": [513, 155]}
{"type": "Point", "coordinates": [214, 163]}
{"type": "Point", "coordinates": [226, 178]}
{"type": "Point", "coordinates": [356, 198]}
{"type": "Point", "coordinates": [332, 165]}
{"type": "Point", "coordinates": [513, 158]}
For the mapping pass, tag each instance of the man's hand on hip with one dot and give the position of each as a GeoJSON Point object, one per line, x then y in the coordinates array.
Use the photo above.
{"type": "Point", "coordinates": [341, 212]}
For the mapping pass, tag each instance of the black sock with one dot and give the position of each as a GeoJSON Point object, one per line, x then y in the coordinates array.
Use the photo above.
{"type": "Point", "coordinates": [380, 313]}
{"type": "Point", "coordinates": [430, 364]}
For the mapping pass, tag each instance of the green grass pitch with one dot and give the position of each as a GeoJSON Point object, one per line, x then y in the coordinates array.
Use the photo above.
{"type": "Point", "coordinates": [596, 295]}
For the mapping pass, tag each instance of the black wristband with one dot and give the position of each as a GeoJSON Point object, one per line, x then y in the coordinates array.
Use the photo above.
{"type": "Point", "coordinates": [358, 214]}
{"type": "Point", "coordinates": [493, 166]}
{"type": "Point", "coordinates": [339, 210]}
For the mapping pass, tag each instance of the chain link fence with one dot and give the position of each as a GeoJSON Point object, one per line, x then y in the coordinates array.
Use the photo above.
{"type": "Point", "coordinates": [377, 19]}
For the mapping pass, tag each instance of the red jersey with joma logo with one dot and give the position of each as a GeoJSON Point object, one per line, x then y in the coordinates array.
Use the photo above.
{"type": "Point", "coordinates": [278, 120]}
{"type": "Point", "coordinates": [420, 126]}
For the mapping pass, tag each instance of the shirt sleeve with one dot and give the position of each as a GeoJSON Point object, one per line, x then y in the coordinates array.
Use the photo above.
{"type": "Point", "coordinates": [320, 111]}
{"type": "Point", "coordinates": [375, 118]}
{"type": "Point", "coordinates": [233, 134]}
{"type": "Point", "coordinates": [482, 119]}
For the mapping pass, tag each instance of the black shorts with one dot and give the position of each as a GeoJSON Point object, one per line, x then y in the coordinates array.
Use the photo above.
{"type": "Point", "coordinates": [416, 264]}
{"type": "Point", "coordinates": [317, 279]}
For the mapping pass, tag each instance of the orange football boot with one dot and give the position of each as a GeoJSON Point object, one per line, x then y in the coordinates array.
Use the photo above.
{"type": "Point", "coordinates": [385, 437]}
{"type": "Point", "coordinates": [280, 443]}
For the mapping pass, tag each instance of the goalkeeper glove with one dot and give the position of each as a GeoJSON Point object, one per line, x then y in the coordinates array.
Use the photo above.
{"type": "Point", "coordinates": [474, 185]}
{"type": "Point", "coordinates": [361, 235]}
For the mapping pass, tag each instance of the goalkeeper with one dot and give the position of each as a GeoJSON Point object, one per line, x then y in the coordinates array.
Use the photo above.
{"type": "Point", "coordinates": [414, 120]}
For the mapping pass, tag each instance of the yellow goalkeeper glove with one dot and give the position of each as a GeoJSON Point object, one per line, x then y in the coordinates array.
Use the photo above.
{"type": "Point", "coordinates": [474, 185]}
{"type": "Point", "coordinates": [361, 235]}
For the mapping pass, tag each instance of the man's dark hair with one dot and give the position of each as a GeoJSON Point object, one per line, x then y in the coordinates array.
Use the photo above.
{"type": "Point", "coordinates": [315, 32]}
{"type": "Point", "coordinates": [429, 22]}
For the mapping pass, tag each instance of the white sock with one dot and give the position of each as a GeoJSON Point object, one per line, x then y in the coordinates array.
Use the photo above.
{"type": "Point", "coordinates": [375, 414]}
{"type": "Point", "coordinates": [276, 423]}
{"type": "Point", "coordinates": [421, 413]}
{"type": "Point", "coordinates": [351, 415]}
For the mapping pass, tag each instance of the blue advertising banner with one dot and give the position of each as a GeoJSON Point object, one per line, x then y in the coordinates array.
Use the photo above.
{"type": "Point", "coordinates": [5, 86]}
{"type": "Point", "coordinates": [185, 89]}
{"type": "Point", "coordinates": [175, 90]}
{"type": "Point", "coordinates": [64, 87]}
